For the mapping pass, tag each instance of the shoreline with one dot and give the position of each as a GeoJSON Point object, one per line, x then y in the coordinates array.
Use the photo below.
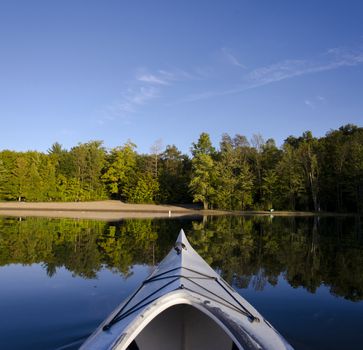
{"type": "Point", "coordinates": [116, 210]}
{"type": "Point", "coordinates": [99, 210]}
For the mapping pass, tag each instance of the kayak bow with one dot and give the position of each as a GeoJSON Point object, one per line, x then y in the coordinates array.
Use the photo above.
{"type": "Point", "coordinates": [185, 304]}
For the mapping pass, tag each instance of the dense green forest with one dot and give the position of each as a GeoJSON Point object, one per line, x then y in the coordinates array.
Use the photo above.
{"type": "Point", "coordinates": [305, 173]}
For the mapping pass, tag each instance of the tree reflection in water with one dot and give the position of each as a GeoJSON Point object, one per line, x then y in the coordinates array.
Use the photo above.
{"type": "Point", "coordinates": [249, 251]}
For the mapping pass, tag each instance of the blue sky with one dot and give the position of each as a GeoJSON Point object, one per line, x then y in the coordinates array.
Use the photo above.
{"type": "Point", "coordinates": [73, 71]}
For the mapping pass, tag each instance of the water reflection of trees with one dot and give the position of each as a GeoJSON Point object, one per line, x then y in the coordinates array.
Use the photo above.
{"type": "Point", "coordinates": [308, 252]}
{"type": "Point", "coordinates": [249, 251]}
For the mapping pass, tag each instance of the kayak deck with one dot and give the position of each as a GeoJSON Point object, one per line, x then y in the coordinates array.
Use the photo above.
{"type": "Point", "coordinates": [185, 304]}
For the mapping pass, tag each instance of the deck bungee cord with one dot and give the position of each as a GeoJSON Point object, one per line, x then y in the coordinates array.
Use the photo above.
{"type": "Point", "coordinates": [124, 313]}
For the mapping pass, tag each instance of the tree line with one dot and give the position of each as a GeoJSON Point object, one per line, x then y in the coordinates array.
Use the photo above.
{"type": "Point", "coordinates": [305, 173]}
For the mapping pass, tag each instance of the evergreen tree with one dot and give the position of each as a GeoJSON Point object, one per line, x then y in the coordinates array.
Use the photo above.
{"type": "Point", "coordinates": [244, 187]}
{"type": "Point", "coordinates": [174, 176]}
{"type": "Point", "coordinates": [203, 171]}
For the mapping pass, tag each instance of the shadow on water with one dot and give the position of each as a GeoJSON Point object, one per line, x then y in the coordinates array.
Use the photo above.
{"type": "Point", "coordinates": [248, 251]}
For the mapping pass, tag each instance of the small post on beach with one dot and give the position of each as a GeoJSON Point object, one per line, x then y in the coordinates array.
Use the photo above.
{"type": "Point", "coordinates": [169, 213]}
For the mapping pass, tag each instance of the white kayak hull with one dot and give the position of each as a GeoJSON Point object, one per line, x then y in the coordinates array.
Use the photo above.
{"type": "Point", "coordinates": [185, 304]}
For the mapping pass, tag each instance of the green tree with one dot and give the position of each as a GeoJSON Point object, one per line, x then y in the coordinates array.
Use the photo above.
{"type": "Point", "coordinates": [226, 174]}
{"type": "Point", "coordinates": [203, 171]}
{"type": "Point", "coordinates": [291, 182]}
{"type": "Point", "coordinates": [269, 188]}
{"type": "Point", "coordinates": [62, 159]}
{"type": "Point", "coordinates": [174, 176]}
{"type": "Point", "coordinates": [88, 161]}
{"type": "Point", "coordinates": [33, 184]}
{"type": "Point", "coordinates": [47, 170]}
{"type": "Point", "coordinates": [120, 170]}
{"type": "Point", "coordinates": [234, 180]}
{"type": "Point", "coordinates": [244, 187]}
{"type": "Point", "coordinates": [145, 189]}
{"type": "Point", "coordinates": [256, 161]}
{"type": "Point", "coordinates": [20, 177]}
{"type": "Point", "coordinates": [4, 178]}
{"type": "Point", "coordinates": [203, 146]}
{"type": "Point", "coordinates": [308, 159]}
{"type": "Point", "coordinates": [270, 157]}
{"type": "Point", "coordinates": [341, 175]}
{"type": "Point", "coordinates": [353, 172]}
{"type": "Point", "coordinates": [226, 183]}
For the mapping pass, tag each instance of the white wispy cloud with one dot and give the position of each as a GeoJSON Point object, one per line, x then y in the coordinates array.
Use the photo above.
{"type": "Point", "coordinates": [287, 69]}
{"type": "Point", "coordinates": [332, 59]}
{"type": "Point", "coordinates": [276, 72]}
{"type": "Point", "coordinates": [142, 95]}
{"type": "Point", "coordinates": [152, 79]}
{"type": "Point", "coordinates": [148, 85]}
{"type": "Point", "coordinates": [132, 98]}
{"type": "Point", "coordinates": [164, 77]}
{"type": "Point", "coordinates": [230, 58]}
{"type": "Point", "coordinates": [145, 87]}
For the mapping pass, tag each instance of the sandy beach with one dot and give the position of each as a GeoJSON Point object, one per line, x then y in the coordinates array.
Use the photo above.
{"type": "Point", "coordinates": [111, 210]}
{"type": "Point", "coordinates": [100, 210]}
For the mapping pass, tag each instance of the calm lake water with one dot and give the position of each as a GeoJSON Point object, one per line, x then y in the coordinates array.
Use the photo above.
{"type": "Point", "coordinates": [59, 278]}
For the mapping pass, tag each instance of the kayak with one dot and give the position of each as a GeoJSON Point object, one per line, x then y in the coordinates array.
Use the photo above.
{"type": "Point", "coordinates": [185, 304]}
